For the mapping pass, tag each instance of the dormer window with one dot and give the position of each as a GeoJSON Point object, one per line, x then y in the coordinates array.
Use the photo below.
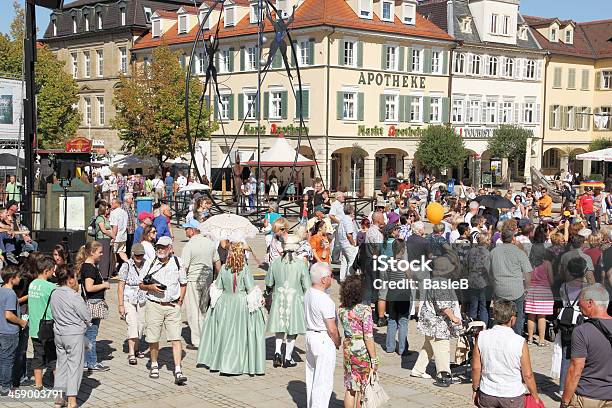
{"type": "Point", "coordinates": [255, 16]}
{"type": "Point", "coordinates": [386, 10]}
{"type": "Point", "coordinates": [202, 16]}
{"type": "Point", "coordinates": [148, 14]}
{"type": "Point", "coordinates": [229, 18]}
{"type": "Point", "coordinates": [553, 34]}
{"type": "Point", "coordinates": [99, 18]}
{"type": "Point", "coordinates": [365, 8]}
{"type": "Point", "coordinates": [494, 22]}
{"type": "Point", "coordinates": [54, 25]}
{"type": "Point", "coordinates": [465, 24]}
{"type": "Point", "coordinates": [522, 34]}
{"type": "Point", "coordinates": [86, 18]}
{"type": "Point", "coordinates": [123, 16]}
{"type": "Point", "coordinates": [182, 24]}
{"type": "Point", "coordinates": [283, 7]}
{"type": "Point", "coordinates": [156, 28]}
{"type": "Point", "coordinates": [409, 13]}
{"type": "Point", "coordinates": [569, 36]}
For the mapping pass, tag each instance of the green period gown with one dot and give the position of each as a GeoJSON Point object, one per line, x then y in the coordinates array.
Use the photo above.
{"type": "Point", "coordinates": [291, 280]}
{"type": "Point", "coordinates": [233, 339]}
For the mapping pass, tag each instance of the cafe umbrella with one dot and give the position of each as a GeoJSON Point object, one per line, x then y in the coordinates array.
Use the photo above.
{"type": "Point", "coordinates": [493, 201]}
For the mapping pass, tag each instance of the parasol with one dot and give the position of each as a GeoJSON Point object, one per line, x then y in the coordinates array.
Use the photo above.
{"type": "Point", "coordinates": [493, 201]}
{"type": "Point", "coordinates": [222, 226]}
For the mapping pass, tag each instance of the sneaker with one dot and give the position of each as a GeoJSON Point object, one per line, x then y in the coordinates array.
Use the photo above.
{"type": "Point", "coordinates": [26, 382]}
{"type": "Point", "coordinates": [179, 378]}
{"type": "Point", "coordinates": [424, 376]}
{"type": "Point", "coordinates": [4, 392]}
{"type": "Point", "coordinates": [289, 363]}
{"type": "Point", "coordinates": [277, 361]}
{"type": "Point", "coordinates": [443, 379]}
{"type": "Point", "coordinates": [99, 367]}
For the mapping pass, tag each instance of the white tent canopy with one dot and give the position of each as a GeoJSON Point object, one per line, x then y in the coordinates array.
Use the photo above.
{"type": "Point", "coordinates": [281, 154]}
{"type": "Point", "coordinates": [121, 162]}
{"type": "Point", "coordinates": [598, 155]}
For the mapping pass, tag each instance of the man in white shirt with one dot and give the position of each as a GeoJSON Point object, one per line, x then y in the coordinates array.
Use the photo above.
{"type": "Point", "coordinates": [181, 181]}
{"type": "Point", "coordinates": [158, 188]}
{"type": "Point", "coordinates": [336, 211]}
{"type": "Point", "coordinates": [118, 221]}
{"type": "Point", "coordinates": [322, 338]}
{"type": "Point", "coordinates": [165, 281]}
{"type": "Point", "coordinates": [347, 240]}
{"type": "Point", "coordinates": [473, 210]}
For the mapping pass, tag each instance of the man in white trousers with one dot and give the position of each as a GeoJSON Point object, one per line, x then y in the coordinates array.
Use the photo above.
{"type": "Point", "coordinates": [322, 337]}
{"type": "Point", "coordinates": [347, 240]}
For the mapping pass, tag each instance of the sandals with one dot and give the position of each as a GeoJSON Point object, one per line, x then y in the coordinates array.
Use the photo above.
{"type": "Point", "coordinates": [179, 378]}
{"type": "Point", "coordinates": [132, 360]}
{"type": "Point", "coordinates": [154, 372]}
{"type": "Point", "coordinates": [140, 354]}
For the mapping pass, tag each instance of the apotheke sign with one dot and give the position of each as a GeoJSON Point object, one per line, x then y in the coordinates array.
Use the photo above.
{"type": "Point", "coordinates": [392, 131]}
{"type": "Point", "coordinates": [396, 80]}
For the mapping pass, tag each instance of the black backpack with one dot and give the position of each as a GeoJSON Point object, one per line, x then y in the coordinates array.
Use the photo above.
{"type": "Point", "coordinates": [566, 325]}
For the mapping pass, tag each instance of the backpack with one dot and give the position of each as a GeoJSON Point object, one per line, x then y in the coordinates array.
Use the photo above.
{"type": "Point", "coordinates": [602, 329]}
{"type": "Point", "coordinates": [91, 229]}
{"type": "Point", "coordinates": [568, 319]}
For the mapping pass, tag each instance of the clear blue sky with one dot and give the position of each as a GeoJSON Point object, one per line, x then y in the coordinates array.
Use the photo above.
{"type": "Point", "coordinates": [577, 10]}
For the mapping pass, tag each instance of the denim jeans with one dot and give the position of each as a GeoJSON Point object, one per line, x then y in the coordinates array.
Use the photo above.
{"type": "Point", "coordinates": [565, 362]}
{"type": "Point", "coordinates": [478, 305]}
{"type": "Point", "coordinates": [392, 328]}
{"type": "Point", "coordinates": [91, 357]}
{"type": "Point", "coordinates": [8, 348]}
{"type": "Point", "coordinates": [520, 315]}
{"type": "Point", "coordinates": [591, 221]}
{"type": "Point", "coordinates": [121, 193]}
{"type": "Point", "coordinates": [20, 368]}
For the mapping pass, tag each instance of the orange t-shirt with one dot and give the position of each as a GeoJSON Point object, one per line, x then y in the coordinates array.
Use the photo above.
{"type": "Point", "coordinates": [545, 206]}
{"type": "Point", "coordinates": [320, 245]}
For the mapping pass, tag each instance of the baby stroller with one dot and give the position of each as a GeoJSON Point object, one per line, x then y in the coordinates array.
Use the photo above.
{"type": "Point", "coordinates": [465, 346]}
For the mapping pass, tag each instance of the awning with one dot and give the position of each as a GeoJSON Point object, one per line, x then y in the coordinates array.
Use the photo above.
{"type": "Point", "coordinates": [598, 155]}
{"type": "Point", "coordinates": [10, 160]}
{"type": "Point", "coordinates": [281, 154]}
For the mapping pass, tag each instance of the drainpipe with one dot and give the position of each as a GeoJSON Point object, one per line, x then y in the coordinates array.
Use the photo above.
{"type": "Point", "coordinates": [450, 17]}
{"type": "Point", "coordinates": [544, 107]}
{"type": "Point", "coordinates": [327, 158]}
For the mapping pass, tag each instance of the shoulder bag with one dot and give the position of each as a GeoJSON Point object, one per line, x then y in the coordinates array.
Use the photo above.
{"type": "Point", "coordinates": [45, 326]}
{"type": "Point", "coordinates": [97, 307]}
{"type": "Point", "coordinates": [374, 396]}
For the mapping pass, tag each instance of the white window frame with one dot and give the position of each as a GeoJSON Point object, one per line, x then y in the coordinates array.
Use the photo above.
{"type": "Point", "coordinates": [523, 33]}
{"type": "Point", "coordinates": [201, 60]}
{"type": "Point", "coordinates": [494, 27]}
{"type": "Point", "coordinates": [416, 109]}
{"type": "Point", "coordinates": [606, 80]}
{"type": "Point", "coordinates": [223, 106]}
{"type": "Point", "coordinates": [302, 49]}
{"type": "Point", "coordinates": [123, 16]}
{"type": "Point", "coordinates": [436, 61]}
{"type": "Point", "coordinates": [409, 13]}
{"type": "Point", "coordinates": [251, 58]}
{"type": "Point", "coordinates": [350, 53]}
{"type": "Point", "coordinates": [391, 5]}
{"type": "Point", "coordinates": [87, 60]}
{"type": "Point", "coordinates": [529, 112]}
{"type": "Point", "coordinates": [473, 115]}
{"type": "Point", "coordinates": [554, 35]}
{"type": "Point", "coordinates": [569, 36]}
{"type": "Point", "coordinates": [74, 58]}
{"type": "Point", "coordinates": [100, 63]}
{"type": "Point", "coordinates": [459, 63]}
{"type": "Point", "coordinates": [458, 110]}
{"type": "Point", "coordinates": [476, 67]}
{"type": "Point", "coordinates": [490, 112]}
{"type": "Point", "coordinates": [583, 118]}
{"type": "Point", "coordinates": [276, 104]}
{"type": "Point", "coordinates": [349, 105]}
{"type": "Point", "coordinates": [435, 109]}
{"type": "Point", "coordinates": [101, 111]}
{"type": "Point", "coordinates": [54, 24]}
{"type": "Point", "coordinates": [201, 14]}
{"type": "Point", "coordinates": [507, 112]}
{"type": "Point", "coordinates": [224, 60]}
{"type": "Point", "coordinates": [87, 110]}
{"type": "Point", "coordinates": [606, 111]}
{"type": "Point", "coordinates": [391, 107]}
{"type": "Point", "coordinates": [250, 112]}
{"type": "Point", "coordinates": [229, 16]}
{"type": "Point", "coordinates": [74, 25]}
{"type": "Point", "coordinates": [530, 69]}
{"type": "Point", "coordinates": [506, 25]}
{"type": "Point", "coordinates": [509, 67]}
{"type": "Point", "coordinates": [255, 14]}
{"type": "Point", "coordinates": [148, 14]}
{"type": "Point", "coordinates": [182, 23]}
{"type": "Point", "coordinates": [493, 63]}
{"type": "Point", "coordinates": [86, 18]}
{"type": "Point", "coordinates": [123, 60]}
{"type": "Point", "coordinates": [392, 58]}
{"type": "Point", "coordinates": [556, 117]}
{"type": "Point", "coordinates": [99, 18]}
{"type": "Point", "coordinates": [156, 28]}
{"type": "Point", "coordinates": [417, 60]}
{"type": "Point", "coordinates": [367, 11]}
{"type": "Point", "coordinates": [466, 25]}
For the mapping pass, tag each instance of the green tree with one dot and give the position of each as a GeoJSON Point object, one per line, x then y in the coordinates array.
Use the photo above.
{"type": "Point", "coordinates": [600, 143]}
{"type": "Point", "coordinates": [151, 108]}
{"type": "Point", "coordinates": [509, 142]}
{"type": "Point", "coordinates": [56, 91]}
{"type": "Point", "coordinates": [440, 149]}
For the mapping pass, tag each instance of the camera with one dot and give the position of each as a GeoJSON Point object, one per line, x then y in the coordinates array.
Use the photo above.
{"type": "Point", "coordinates": [149, 280]}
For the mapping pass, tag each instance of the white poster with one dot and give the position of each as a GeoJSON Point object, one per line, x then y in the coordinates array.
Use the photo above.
{"type": "Point", "coordinates": [76, 213]}
{"type": "Point", "coordinates": [202, 158]}
{"type": "Point", "coordinates": [10, 107]}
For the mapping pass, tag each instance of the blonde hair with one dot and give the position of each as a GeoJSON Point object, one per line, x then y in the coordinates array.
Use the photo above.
{"type": "Point", "coordinates": [595, 240]}
{"type": "Point", "coordinates": [235, 257]}
{"type": "Point", "coordinates": [557, 238]}
{"type": "Point", "coordinates": [301, 232]}
{"type": "Point", "coordinates": [456, 221]}
{"type": "Point", "coordinates": [483, 239]}
{"type": "Point", "coordinates": [85, 252]}
{"type": "Point", "coordinates": [279, 224]}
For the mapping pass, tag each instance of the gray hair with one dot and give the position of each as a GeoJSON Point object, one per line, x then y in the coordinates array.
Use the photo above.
{"type": "Point", "coordinates": [301, 232]}
{"type": "Point", "coordinates": [418, 226]}
{"type": "Point", "coordinates": [474, 205]}
{"type": "Point", "coordinates": [597, 293]}
{"type": "Point", "coordinates": [503, 310]}
{"type": "Point", "coordinates": [319, 271]}
{"type": "Point", "coordinates": [349, 209]}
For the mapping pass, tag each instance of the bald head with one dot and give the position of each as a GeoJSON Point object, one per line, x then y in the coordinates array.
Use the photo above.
{"type": "Point", "coordinates": [378, 218]}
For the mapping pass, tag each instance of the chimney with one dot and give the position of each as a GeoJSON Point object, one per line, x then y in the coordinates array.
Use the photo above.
{"type": "Point", "coordinates": [450, 17]}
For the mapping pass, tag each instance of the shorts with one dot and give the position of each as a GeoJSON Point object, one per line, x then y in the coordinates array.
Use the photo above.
{"type": "Point", "coordinates": [135, 319]}
{"type": "Point", "coordinates": [158, 316]}
{"type": "Point", "coordinates": [119, 247]}
{"type": "Point", "coordinates": [45, 355]}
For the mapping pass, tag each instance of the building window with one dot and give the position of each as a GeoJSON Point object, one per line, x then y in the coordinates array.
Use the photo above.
{"type": "Point", "coordinates": [75, 64]}
{"type": "Point", "coordinates": [490, 112]}
{"type": "Point", "coordinates": [551, 159]}
{"type": "Point", "coordinates": [474, 112]}
{"type": "Point", "coordinates": [416, 109]}
{"type": "Point", "coordinates": [304, 52]}
{"type": "Point", "coordinates": [250, 105]}
{"type": "Point", "coordinates": [585, 80]}
{"type": "Point", "coordinates": [54, 24]}
{"type": "Point", "coordinates": [459, 63]}
{"type": "Point", "coordinates": [123, 61]}
{"type": "Point", "coordinates": [99, 18]}
{"type": "Point", "coordinates": [148, 14]}
{"type": "Point", "coordinates": [570, 118]}
{"type": "Point", "coordinates": [606, 79]}
{"type": "Point", "coordinates": [509, 68]}
{"type": "Point", "coordinates": [251, 62]}
{"type": "Point", "coordinates": [86, 19]}
{"type": "Point", "coordinates": [506, 112]}
{"type": "Point", "coordinates": [391, 108]}
{"type": "Point", "coordinates": [224, 60]}
{"type": "Point", "coordinates": [569, 36]}
{"type": "Point", "coordinates": [506, 26]}
{"type": "Point", "coordinates": [417, 61]}
{"type": "Point", "coordinates": [583, 118]}
{"type": "Point", "coordinates": [349, 110]}
{"type": "Point", "coordinates": [201, 63]}
{"type": "Point", "coordinates": [523, 33]}
{"type": "Point", "coordinates": [349, 54]}
{"type": "Point", "coordinates": [529, 113]}
{"type": "Point", "coordinates": [87, 111]}
{"type": "Point", "coordinates": [475, 65]}
{"type": "Point", "coordinates": [282, 6]}
{"type": "Point", "coordinates": [255, 15]}
{"type": "Point", "coordinates": [604, 119]}
{"type": "Point", "coordinates": [100, 58]}
{"type": "Point", "coordinates": [409, 13]}
{"type": "Point", "coordinates": [571, 78]}
{"type": "Point", "coordinates": [276, 105]}
{"type": "Point", "coordinates": [391, 58]}
{"type": "Point", "coordinates": [435, 110]}
{"type": "Point", "coordinates": [458, 111]}
{"type": "Point", "coordinates": [365, 8]}
{"type": "Point", "coordinates": [74, 25]}
{"type": "Point", "coordinates": [530, 69]}
{"type": "Point", "coordinates": [224, 107]}
{"type": "Point", "coordinates": [553, 34]}
{"type": "Point", "coordinates": [494, 18]}
{"type": "Point", "coordinates": [436, 62]}
{"type": "Point", "coordinates": [101, 118]}
{"type": "Point", "coordinates": [386, 10]}
{"type": "Point", "coordinates": [123, 16]}
{"type": "Point", "coordinates": [229, 17]}
{"type": "Point", "coordinates": [493, 62]}
{"type": "Point", "coordinates": [466, 25]}
{"type": "Point", "coordinates": [555, 118]}
{"type": "Point", "coordinates": [201, 16]}
{"type": "Point", "coordinates": [156, 28]}
{"type": "Point", "coordinates": [182, 24]}
{"type": "Point", "coordinates": [87, 56]}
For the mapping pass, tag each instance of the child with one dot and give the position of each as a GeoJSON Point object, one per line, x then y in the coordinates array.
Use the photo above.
{"type": "Point", "coordinates": [10, 324]}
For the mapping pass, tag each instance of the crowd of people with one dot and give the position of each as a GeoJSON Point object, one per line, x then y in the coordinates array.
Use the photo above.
{"type": "Point", "coordinates": [519, 271]}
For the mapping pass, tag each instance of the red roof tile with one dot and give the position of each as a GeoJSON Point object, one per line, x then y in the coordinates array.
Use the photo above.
{"type": "Point", "coordinates": [599, 33]}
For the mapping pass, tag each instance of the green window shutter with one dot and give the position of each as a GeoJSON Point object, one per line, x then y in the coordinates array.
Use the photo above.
{"type": "Point", "coordinates": [381, 108]}
{"type": "Point", "coordinates": [216, 108]}
{"type": "Point", "coordinates": [585, 79]}
{"type": "Point", "coordinates": [230, 64]}
{"type": "Point", "coordinates": [444, 62]}
{"type": "Point", "coordinates": [341, 52]}
{"type": "Point", "coordinates": [230, 110]}
{"type": "Point", "coordinates": [408, 107]}
{"type": "Point", "coordinates": [426, 108]}
{"type": "Point", "coordinates": [284, 104]}
{"type": "Point", "coordinates": [557, 78]}
{"type": "Point", "coordinates": [360, 99]}
{"type": "Point", "coordinates": [445, 109]}
{"type": "Point", "coordinates": [240, 106]}
{"type": "Point", "coordinates": [427, 61]}
{"type": "Point", "coordinates": [277, 60]}
{"type": "Point", "coordinates": [217, 62]}
{"type": "Point", "coordinates": [409, 62]}
{"type": "Point", "coordinates": [402, 55]}
{"type": "Point", "coordinates": [598, 80]}
{"type": "Point", "coordinates": [293, 57]}
{"type": "Point", "coordinates": [266, 105]}
{"type": "Point", "coordinates": [311, 51]}
{"type": "Point", "coordinates": [340, 105]}
{"type": "Point", "coordinates": [564, 118]}
{"type": "Point", "coordinates": [571, 78]}
{"type": "Point", "coordinates": [242, 62]}
{"type": "Point", "coordinates": [360, 54]}
{"type": "Point", "coordinates": [402, 108]}
{"type": "Point", "coordinates": [304, 107]}
{"type": "Point", "coordinates": [551, 122]}
{"type": "Point", "coordinates": [383, 58]}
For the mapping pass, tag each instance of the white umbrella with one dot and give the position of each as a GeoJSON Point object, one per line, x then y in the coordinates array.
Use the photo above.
{"type": "Point", "coordinates": [194, 187]}
{"type": "Point", "coordinates": [222, 226]}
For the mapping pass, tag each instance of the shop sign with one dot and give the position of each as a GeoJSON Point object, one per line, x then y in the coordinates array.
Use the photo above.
{"type": "Point", "coordinates": [395, 80]}
{"type": "Point", "coordinates": [253, 130]}
{"type": "Point", "coordinates": [289, 130]}
{"type": "Point", "coordinates": [392, 131]}
{"type": "Point", "coordinates": [78, 145]}
{"type": "Point", "coordinates": [475, 133]}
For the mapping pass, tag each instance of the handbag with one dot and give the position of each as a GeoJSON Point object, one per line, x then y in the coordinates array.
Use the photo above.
{"type": "Point", "coordinates": [45, 326]}
{"type": "Point", "coordinates": [531, 403]}
{"type": "Point", "coordinates": [374, 396]}
{"type": "Point", "coordinates": [97, 307]}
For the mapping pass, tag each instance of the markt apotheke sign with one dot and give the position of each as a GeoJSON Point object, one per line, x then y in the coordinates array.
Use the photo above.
{"type": "Point", "coordinates": [275, 129]}
{"type": "Point", "coordinates": [395, 80]}
{"type": "Point", "coordinates": [391, 131]}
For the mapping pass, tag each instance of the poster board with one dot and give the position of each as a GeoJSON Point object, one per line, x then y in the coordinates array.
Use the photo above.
{"type": "Point", "coordinates": [76, 213]}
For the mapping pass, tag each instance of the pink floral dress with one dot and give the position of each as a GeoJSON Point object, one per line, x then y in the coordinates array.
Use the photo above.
{"type": "Point", "coordinates": [357, 325]}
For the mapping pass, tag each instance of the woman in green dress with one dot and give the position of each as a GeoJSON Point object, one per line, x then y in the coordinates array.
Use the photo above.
{"type": "Point", "coordinates": [289, 277]}
{"type": "Point", "coordinates": [233, 333]}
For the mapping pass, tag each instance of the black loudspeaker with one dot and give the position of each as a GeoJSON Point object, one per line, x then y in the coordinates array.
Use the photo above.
{"type": "Point", "coordinates": [49, 238]}
{"type": "Point", "coordinates": [51, 4]}
{"type": "Point", "coordinates": [66, 169]}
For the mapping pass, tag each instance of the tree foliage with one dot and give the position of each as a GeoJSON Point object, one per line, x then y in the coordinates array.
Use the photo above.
{"type": "Point", "coordinates": [600, 143]}
{"type": "Point", "coordinates": [56, 91]}
{"type": "Point", "coordinates": [151, 108]}
{"type": "Point", "coordinates": [509, 141]}
{"type": "Point", "coordinates": [440, 148]}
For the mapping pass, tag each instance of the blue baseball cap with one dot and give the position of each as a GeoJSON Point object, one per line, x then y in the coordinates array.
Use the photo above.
{"type": "Point", "coordinates": [192, 223]}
